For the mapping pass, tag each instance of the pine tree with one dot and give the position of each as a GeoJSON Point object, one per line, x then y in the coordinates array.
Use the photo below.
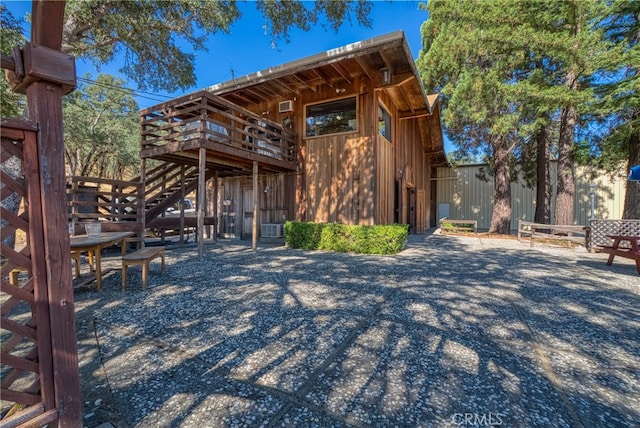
{"type": "Point", "coordinates": [507, 71]}
{"type": "Point", "coordinates": [473, 57]}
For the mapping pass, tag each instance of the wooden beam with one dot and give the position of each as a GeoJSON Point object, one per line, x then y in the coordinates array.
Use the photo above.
{"type": "Point", "coordinates": [181, 203]}
{"type": "Point", "coordinates": [44, 100]}
{"type": "Point", "coordinates": [342, 72]}
{"type": "Point", "coordinates": [8, 63]}
{"type": "Point", "coordinates": [215, 205]}
{"type": "Point", "coordinates": [142, 200]}
{"type": "Point", "coordinates": [202, 179]}
{"type": "Point", "coordinates": [365, 67]}
{"type": "Point", "coordinates": [256, 208]}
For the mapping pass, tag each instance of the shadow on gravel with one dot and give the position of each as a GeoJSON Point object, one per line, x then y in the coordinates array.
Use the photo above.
{"type": "Point", "coordinates": [443, 331]}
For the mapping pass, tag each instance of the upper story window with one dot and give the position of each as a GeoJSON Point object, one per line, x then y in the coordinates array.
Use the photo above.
{"type": "Point", "coordinates": [331, 117]}
{"type": "Point", "coordinates": [384, 122]}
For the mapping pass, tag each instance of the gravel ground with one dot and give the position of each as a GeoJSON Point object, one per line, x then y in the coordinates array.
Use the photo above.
{"type": "Point", "coordinates": [453, 331]}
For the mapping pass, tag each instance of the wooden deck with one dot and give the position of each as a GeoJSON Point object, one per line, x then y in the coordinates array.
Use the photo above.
{"type": "Point", "coordinates": [233, 137]}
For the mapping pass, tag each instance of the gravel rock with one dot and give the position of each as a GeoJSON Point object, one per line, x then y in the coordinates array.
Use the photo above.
{"type": "Point", "coordinates": [452, 331]}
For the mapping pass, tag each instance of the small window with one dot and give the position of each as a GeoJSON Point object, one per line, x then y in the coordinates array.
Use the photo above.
{"type": "Point", "coordinates": [331, 117]}
{"type": "Point", "coordinates": [384, 123]}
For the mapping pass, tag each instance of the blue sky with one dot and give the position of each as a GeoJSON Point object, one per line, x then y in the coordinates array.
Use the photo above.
{"type": "Point", "coordinates": [248, 49]}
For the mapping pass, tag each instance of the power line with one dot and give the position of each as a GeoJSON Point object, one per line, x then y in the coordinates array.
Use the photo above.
{"type": "Point", "coordinates": [124, 89]}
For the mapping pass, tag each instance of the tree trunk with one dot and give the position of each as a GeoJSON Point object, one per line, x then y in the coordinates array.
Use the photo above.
{"type": "Point", "coordinates": [501, 217]}
{"type": "Point", "coordinates": [632, 195]}
{"type": "Point", "coordinates": [566, 177]}
{"type": "Point", "coordinates": [543, 186]}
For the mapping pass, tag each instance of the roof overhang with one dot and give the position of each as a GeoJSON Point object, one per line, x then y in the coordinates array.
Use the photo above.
{"type": "Point", "coordinates": [343, 66]}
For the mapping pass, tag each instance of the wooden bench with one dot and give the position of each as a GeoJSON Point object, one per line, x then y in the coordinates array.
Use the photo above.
{"type": "Point", "coordinates": [141, 257]}
{"type": "Point", "coordinates": [455, 226]}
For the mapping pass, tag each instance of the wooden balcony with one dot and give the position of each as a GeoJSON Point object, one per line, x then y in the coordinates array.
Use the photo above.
{"type": "Point", "coordinates": [233, 137]}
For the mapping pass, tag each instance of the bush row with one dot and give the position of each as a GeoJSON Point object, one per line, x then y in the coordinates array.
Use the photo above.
{"type": "Point", "coordinates": [379, 239]}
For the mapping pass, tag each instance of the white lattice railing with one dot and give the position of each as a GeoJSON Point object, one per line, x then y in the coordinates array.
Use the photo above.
{"type": "Point", "coordinates": [599, 229]}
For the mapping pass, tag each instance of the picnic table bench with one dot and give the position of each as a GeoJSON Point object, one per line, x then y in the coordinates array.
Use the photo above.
{"type": "Point", "coordinates": [631, 252]}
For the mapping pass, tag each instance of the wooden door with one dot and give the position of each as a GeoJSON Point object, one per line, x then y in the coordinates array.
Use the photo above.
{"type": "Point", "coordinates": [411, 209]}
{"type": "Point", "coordinates": [247, 212]}
{"type": "Point", "coordinates": [421, 212]}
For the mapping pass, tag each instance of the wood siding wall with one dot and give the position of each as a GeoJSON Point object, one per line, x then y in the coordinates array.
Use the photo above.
{"type": "Point", "coordinates": [385, 181]}
{"type": "Point", "coordinates": [413, 172]}
{"type": "Point", "coordinates": [357, 177]}
{"type": "Point", "coordinates": [276, 204]}
{"type": "Point", "coordinates": [339, 170]}
{"type": "Point", "coordinates": [339, 180]}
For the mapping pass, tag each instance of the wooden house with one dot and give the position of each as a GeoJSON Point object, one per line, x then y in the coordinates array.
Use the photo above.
{"type": "Point", "coordinates": [347, 135]}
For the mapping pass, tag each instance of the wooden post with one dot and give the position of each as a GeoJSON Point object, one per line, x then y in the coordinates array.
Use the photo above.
{"type": "Point", "coordinates": [202, 166]}
{"type": "Point", "coordinates": [142, 202]}
{"type": "Point", "coordinates": [254, 230]}
{"type": "Point", "coordinates": [44, 99]}
{"type": "Point", "coordinates": [215, 206]}
{"type": "Point", "coordinates": [181, 203]}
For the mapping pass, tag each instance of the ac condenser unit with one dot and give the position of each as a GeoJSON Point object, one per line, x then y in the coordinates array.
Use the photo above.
{"type": "Point", "coordinates": [285, 106]}
{"type": "Point", "coordinates": [271, 231]}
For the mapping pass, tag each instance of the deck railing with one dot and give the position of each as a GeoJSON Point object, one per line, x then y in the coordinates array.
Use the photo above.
{"type": "Point", "coordinates": [117, 204]}
{"type": "Point", "coordinates": [206, 118]}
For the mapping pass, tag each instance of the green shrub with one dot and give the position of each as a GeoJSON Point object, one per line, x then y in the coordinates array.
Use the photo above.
{"type": "Point", "coordinates": [379, 239]}
{"type": "Point", "coordinates": [302, 235]}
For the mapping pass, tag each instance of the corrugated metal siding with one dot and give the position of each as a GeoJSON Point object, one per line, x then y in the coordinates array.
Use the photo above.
{"type": "Point", "coordinates": [471, 198]}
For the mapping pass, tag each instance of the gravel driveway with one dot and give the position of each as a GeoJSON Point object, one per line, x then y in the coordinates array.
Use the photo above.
{"type": "Point", "coordinates": [453, 331]}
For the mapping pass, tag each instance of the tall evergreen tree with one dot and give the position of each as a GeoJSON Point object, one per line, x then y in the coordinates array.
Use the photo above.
{"type": "Point", "coordinates": [473, 57]}
{"type": "Point", "coordinates": [619, 91]}
{"type": "Point", "coordinates": [543, 56]}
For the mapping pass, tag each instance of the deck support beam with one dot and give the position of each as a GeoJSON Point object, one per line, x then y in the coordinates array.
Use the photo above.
{"type": "Point", "coordinates": [58, 366]}
{"type": "Point", "coordinates": [254, 232]}
{"type": "Point", "coordinates": [215, 206]}
{"type": "Point", "coordinates": [181, 203]}
{"type": "Point", "coordinates": [142, 200]}
{"type": "Point", "coordinates": [201, 200]}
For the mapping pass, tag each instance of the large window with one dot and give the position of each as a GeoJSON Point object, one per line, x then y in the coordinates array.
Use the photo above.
{"type": "Point", "coordinates": [384, 123]}
{"type": "Point", "coordinates": [331, 117]}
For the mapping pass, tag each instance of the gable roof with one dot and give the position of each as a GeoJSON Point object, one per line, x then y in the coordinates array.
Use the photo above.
{"type": "Point", "coordinates": [334, 67]}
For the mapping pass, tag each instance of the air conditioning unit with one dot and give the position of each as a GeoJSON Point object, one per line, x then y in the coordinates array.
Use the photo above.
{"type": "Point", "coordinates": [271, 231]}
{"type": "Point", "coordinates": [285, 106]}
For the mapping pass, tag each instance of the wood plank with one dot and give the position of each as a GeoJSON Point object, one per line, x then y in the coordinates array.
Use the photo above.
{"type": "Point", "coordinates": [43, 419]}
{"type": "Point", "coordinates": [19, 363]}
{"type": "Point", "coordinates": [18, 293]}
{"type": "Point", "coordinates": [626, 253]}
{"type": "Point", "coordinates": [201, 201]}
{"type": "Point", "coordinates": [25, 415]}
{"type": "Point", "coordinates": [19, 397]}
{"type": "Point", "coordinates": [256, 208]}
{"type": "Point", "coordinates": [18, 328]}
{"type": "Point", "coordinates": [45, 108]}
{"type": "Point", "coordinates": [39, 271]}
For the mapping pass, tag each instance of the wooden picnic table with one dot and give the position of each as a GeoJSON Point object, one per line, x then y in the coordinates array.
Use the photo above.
{"type": "Point", "coordinates": [631, 252]}
{"type": "Point", "coordinates": [95, 244]}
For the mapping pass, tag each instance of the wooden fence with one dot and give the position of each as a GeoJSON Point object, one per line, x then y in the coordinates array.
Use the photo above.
{"type": "Point", "coordinates": [117, 205]}
{"type": "Point", "coordinates": [39, 358]}
{"type": "Point", "coordinates": [569, 233]}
